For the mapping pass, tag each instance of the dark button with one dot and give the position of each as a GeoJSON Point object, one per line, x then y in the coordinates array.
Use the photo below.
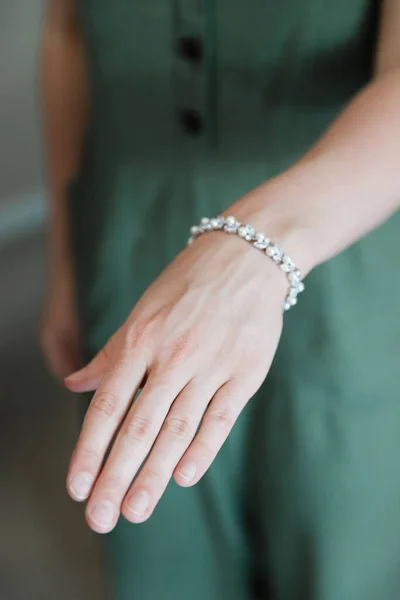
{"type": "Point", "coordinates": [191, 121]}
{"type": "Point", "coordinates": [190, 48]}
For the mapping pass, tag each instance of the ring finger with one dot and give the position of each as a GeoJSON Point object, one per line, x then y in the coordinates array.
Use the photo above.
{"type": "Point", "coordinates": [217, 423]}
{"type": "Point", "coordinates": [177, 433]}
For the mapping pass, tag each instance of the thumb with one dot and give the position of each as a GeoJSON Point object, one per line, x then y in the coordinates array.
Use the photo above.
{"type": "Point", "coordinates": [88, 378]}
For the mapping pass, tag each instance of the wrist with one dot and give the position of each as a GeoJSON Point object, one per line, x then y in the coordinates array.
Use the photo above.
{"type": "Point", "coordinates": [273, 209]}
{"type": "Point", "coordinates": [314, 211]}
{"type": "Point", "coordinates": [263, 244]}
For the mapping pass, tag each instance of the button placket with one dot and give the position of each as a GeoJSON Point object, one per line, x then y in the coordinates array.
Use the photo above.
{"type": "Point", "coordinates": [190, 71]}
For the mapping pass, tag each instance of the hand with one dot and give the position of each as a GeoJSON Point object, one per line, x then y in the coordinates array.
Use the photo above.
{"type": "Point", "coordinates": [199, 343]}
{"type": "Point", "coordinates": [60, 335]}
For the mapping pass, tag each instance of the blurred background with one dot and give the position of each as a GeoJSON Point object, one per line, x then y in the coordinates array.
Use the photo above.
{"type": "Point", "coordinates": [46, 551]}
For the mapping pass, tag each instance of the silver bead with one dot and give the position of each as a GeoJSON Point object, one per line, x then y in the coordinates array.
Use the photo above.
{"type": "Point", "coordinates": [214, 223]}
{"type": "Point", "coordinates": [291, 300]}
{"type": "Point", "coordinates": [270, 251]}
{"type": "Point", "coordinates": [286, 306]}
{"type": "Point", "coordinates": [194, 230]}
{"type": "Point", "coordinates": [295, 276]}
{"type": "Point", "coordinates": [300, 287]}
{"type": "Point", "coordinates": [231, 225]}
{"type": "Point", "coordinates": [242, 231]}
{"type": "Point", "coordinates": [260, 241]}
{"type": "Point", "coordinates": [190, 241]}
{"type": "Point", "coordinates": [293, 292]}
{"type": "Point", "coordinates": [250, 233]}
{"type": "Point", "coordinates": [275, 252]}
{"type": "Point", "coordinates": [205, 221]}
{"type": "Point", "coordinates": [221, 222]}
{"type": "Point", "coordinates": [260, 245]}
{"type": "Point", "coordinates": [287, 264]}
{"type": "Point", "coordinates": [287, 267]}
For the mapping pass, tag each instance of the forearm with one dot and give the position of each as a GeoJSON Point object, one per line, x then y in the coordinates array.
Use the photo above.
{"type": "Point", "coordinates": [345, 186]}
{"type": "Point", "coordinates": [65, 103]}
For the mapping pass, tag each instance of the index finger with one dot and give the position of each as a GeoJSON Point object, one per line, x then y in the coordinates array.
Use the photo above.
{"type": "Point", "coordinates": [105, 413]}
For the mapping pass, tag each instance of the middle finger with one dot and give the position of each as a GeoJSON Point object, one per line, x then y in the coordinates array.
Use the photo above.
{"type": "Point", "coordinates": [132, 444]}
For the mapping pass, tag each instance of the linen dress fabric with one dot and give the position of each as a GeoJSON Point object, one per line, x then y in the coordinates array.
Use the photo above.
{"type": "Point", "coordinates": [194, 103]}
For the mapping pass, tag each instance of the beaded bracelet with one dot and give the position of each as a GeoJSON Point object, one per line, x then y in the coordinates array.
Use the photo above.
{"type": "Point", "coordinates": [259, 241]}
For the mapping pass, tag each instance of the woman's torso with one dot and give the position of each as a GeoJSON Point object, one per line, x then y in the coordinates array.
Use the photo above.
{"type": "Point", "coordinates": [259, 81]}
{"type": "Point", "coordinates": [223, 80]}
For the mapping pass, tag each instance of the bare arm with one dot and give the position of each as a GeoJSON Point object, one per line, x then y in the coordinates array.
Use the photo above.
{"type": "Point", "coordinates": [349, 182]}
{"type": "Point", "coordinates": [65, 102]}
{"type": "Point", "coordinates": [65, 105]}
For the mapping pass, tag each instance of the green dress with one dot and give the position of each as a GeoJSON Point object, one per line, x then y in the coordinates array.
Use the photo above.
{"type": "Point", "coordinates": [195, 102]}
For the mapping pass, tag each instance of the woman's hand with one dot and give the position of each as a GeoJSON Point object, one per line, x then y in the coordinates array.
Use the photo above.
{"type": "Point", "coordinates": [199, 343]}
{"type": "Point", "coordinates": [60, 336]}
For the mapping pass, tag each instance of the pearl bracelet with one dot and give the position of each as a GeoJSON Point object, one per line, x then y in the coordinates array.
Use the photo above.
{"type": "Point", "coordinates": [259, 241]}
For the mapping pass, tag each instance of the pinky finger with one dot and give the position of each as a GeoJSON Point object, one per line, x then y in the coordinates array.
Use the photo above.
{"type": "Point", "coordinates": [218, 420]}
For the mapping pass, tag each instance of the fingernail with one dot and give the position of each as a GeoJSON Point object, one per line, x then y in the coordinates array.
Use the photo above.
{"type": "Point", "coordinates": [139, 503]}
{"type": "Point", "coordinates": [102, 513]}
{"type": "Point", "coordinates": [187, 470]}
{"type": "Point", "coordinates": [81, 484]}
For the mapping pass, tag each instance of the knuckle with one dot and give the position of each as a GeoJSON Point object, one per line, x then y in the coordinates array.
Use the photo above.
{"type": "Point", "coordinates": [137, 335]}
{"type": "Point", "coordinates": [109, 482]}
{"type": "Point", "coordinates": [137, 429]}
{"type": "Point", "coordinates": [108, 350]}
{"type": "Point", "coordinates": [203, 451]}
{"type": "Point", "coordinates": [223, 417]}
{"type": "Point", "coordinates": [158, 383]}
{"type": "Point", "coordinates": [104, 404]}
{"type": "Point", "coordinates": [118, 365]}
{"type": "Point", "coordinates": [179, 428]}
{"type": "Point", "coordinates": [184, 346]}
{"type": "Point", "coordinates": [153, 475]}
{"type": "Point", "coordinates": [86, 457]}
{"type": "Point", "coordinates": [251, 363]}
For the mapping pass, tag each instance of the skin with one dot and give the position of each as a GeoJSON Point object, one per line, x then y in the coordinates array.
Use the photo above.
{"type": "Point", "coordinates": [65, 108]}
{"type": "Point", "coordinates": [202, 338]}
